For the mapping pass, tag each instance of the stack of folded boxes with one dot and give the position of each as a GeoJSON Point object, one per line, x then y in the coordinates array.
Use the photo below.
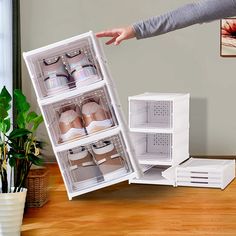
{"type": "Point", "coordinates": [82, 114]}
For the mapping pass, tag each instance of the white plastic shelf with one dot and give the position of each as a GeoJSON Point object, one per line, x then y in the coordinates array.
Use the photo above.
{"type": "Point", "coordinates": [72, 93]}
{"type": "Point", "coordinates": [87, 139]}
{"type": "Point", "coordinates": [155, 111]}
{"type": "Point", "coordinates": [161, 148]}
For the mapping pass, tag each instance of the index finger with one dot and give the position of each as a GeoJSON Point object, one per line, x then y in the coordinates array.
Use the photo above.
{"type": "Point", "coordinates": [107, 33]}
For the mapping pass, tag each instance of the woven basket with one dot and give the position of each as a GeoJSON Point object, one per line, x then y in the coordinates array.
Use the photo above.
{"type": "Point", "coordinates": [37, 185]}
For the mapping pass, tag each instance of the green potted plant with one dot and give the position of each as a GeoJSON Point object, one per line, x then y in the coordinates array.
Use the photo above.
{"type": "Point", "coordinates": [19, 150]}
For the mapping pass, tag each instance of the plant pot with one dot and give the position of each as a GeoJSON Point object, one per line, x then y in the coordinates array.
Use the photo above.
{"type": "Point", "coordinates": [11, 213]}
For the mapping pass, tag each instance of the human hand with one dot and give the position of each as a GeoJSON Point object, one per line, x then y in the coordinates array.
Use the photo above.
{"type": "Point", "coordinates": [117, 35]}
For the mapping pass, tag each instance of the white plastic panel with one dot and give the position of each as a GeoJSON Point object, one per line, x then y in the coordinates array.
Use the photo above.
{"type": "Point", "coordinates": [72, 175]}
{"type": "Point", "coordinates": [181, 113]}
{"type": "Point", "coordinates": [153, 176]}
{"type": "Point", "coordinates": [161, 148]}
{"type": "Point", "coordinates": [170, 174]}
{"type": "Point", "coordinates": [205, 184]}
{"type": "Point", "coordinates": [160, 113]}
{"type": "Point", "coordinates": [36, 60]}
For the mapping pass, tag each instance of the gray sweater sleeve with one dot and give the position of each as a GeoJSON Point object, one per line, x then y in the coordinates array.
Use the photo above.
{"type": "Point", "coordinates": [190, 14]}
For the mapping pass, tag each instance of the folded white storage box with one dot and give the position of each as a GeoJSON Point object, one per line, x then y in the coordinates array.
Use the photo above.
{"type": "Point", "coordinates": [195, 172]}
{"type": "Point", "coordinates": [199, 172]}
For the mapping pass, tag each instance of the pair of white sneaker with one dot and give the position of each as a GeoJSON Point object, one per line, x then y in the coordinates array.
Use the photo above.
{"type": "Point", "coordinates": [57, 77]}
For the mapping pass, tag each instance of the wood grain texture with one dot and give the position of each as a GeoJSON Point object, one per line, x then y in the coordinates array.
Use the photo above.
{"type": "Point", "coordinates": [134, 210]}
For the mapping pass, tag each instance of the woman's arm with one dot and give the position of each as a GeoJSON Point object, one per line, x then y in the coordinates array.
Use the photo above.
{"type": "Point", "coordinates": [190, 14]}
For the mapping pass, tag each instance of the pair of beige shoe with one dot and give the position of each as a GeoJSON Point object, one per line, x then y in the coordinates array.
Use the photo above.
{"type": "Point", "coordinates": [102, 163]}
{"type": "Point", "coordinates": [75, 122]}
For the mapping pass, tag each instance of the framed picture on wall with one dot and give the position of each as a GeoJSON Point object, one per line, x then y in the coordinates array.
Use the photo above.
{"type": "Point", "coordinates": [228, 37]}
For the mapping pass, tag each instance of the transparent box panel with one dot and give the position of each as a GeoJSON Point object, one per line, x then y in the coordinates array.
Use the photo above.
{"type": "Point", "coordinates": [80, 116]}
{"type": "Point", "coordinates": [95, 163]}
{"type": "Point", "coordinates": [65, 67]}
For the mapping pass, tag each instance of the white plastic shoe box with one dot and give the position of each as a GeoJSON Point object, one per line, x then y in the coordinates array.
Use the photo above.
{"type": "Point", "coordinates": [159, 126]}
{"type": "Point", "coordinates": [159, 123]}
{"type": "Point", "coordinates": [104, 88]}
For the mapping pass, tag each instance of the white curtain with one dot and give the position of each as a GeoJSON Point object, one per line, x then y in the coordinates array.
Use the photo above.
{"type": "Point", "coordinates": [6, 44]}
{"type": "Point", "coordinates": [6, 49]}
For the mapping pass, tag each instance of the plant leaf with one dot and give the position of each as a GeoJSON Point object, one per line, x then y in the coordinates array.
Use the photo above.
{"type": "Point", "coordinates": [17, 133]}
{"type": "Point", "coordinates": [35, 160]}
{"type": "Point", "coordinates": [2, 127]}
{"type": "Point", "coordinates": [12, 161]}
{"type": "Point", "coordinates": [20, 101]}
{"type": "Point", "coordinates": [18, 155]}
{"type": "Point", "coordinates": [7, 123]}
{"type": "Point", "coordinates": [31, 115]}
{"type": "Point", "coordinates": [4, 93]}
{"type": "Point", "coordinates": [21, 119]}
{"type": "Point", "coordinates": [4, 103]}
{"type": "Point", "coordinates": [36, 122]}
{"type": "Point", "coordinates": [3, 113]}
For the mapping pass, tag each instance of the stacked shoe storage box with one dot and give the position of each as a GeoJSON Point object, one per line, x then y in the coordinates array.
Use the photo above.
{"type": "Point", "coordinates": [159, 125]}
{"type": "Point", "coordinates": [82, 114]}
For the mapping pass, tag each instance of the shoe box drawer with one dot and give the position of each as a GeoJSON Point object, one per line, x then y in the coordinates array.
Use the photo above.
{"type": "Point", "coordinates": [161, 148]}
{"type": "Point", "coordinates": [152, 111]}
{"type": "Point", "coordinates": [79, 116]}
{"type": "Point", "coordinates": [95, 163]}
{"type": "Point", "coordinates": [64, 66]}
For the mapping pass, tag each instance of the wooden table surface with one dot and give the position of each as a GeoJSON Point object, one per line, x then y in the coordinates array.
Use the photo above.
{"type": "Point", "coordinates": [134, 210]}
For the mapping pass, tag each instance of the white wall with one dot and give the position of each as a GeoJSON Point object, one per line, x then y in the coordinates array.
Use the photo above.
{"type": "Point", "coordinates": [187, 60]}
